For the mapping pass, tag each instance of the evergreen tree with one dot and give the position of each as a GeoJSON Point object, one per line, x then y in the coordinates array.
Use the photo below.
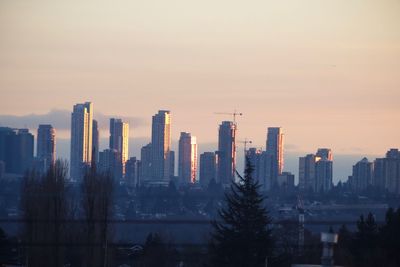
{"type": "Point", "coordinates": [365, 246]}
{"type": "Point", "coordinates": [390, 238]}
{"type": "Point", "coordinates": [242, 237]}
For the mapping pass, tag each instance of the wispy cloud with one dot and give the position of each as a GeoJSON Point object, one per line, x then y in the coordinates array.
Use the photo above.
{"type": "Point", "coordinates": [61, 120]}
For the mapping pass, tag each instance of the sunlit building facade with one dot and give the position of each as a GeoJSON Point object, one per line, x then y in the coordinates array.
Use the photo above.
{"type": "Point", "coordinates": [187, 165]}
{"type": "Point", "coordinates": [274, 147]}
{"type": "Point", "coordinates": [325, 153]}
{"type": "Point", "coordinates": [81, 139]}
{"type": "Point", "coordinates": [161, 146]}
{"type": "Point", "coordinates": [119, 140]}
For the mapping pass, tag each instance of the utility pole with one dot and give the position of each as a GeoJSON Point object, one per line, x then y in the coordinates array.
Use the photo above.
{"type": "Point", "coordinates": [300, 209]}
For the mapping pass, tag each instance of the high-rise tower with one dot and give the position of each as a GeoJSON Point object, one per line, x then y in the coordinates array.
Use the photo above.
{"type": "Point", "coordinates": [119, 139]}
{"type": "Point", "coordinates": [81, 139]}
{"type": "Point", "coordinates": [275, 150]}
{"type": "Point", "coordinates": [362, 175]}
{"type": "Point", "coordinates": [187, 166]}
{"type": "Point", "coordinates": [226, 153]}
{"type": "Point", "coordinates": [95, 142]}
{"type": "Point", "coordinates": [46, 145]}
{"type": "Point", "coordinates": [161, 146]}
{"type": "Point", "coordinates": [208, 168]}
{"type": "Point", "coordinates": [325, 153]}
{"type": "Point", "coordinates": [307, 172]}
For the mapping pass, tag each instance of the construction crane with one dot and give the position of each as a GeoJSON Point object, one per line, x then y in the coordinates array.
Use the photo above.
{"type": "Point", "coordinates": [245, 142]}
{"type": "Point", "coordinates": [233, 114]}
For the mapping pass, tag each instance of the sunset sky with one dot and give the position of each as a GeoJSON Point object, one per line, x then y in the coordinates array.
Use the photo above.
{"type": "Point", "coordinates": [328, 71]}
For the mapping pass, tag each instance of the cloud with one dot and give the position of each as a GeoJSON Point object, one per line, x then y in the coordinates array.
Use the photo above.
{"type": "Point", "coordinates": [61, 120]}
{"type": "Point", "coordinates": [291, 147]}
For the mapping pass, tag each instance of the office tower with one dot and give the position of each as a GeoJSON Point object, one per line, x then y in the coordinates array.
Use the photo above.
{"type": "Point", "coordinates": [119, 136]}
{"type": "Point", "coordinates": [187, 166]}
{"type": "Point", "coordinates": [392, 171]}
{"type": "Point", "coordinates": [386, 174]}
{"type": "Point", "coordinates": [208, 168]}
{"type": "Point", "coordinates": [46, 146]}
{"type": "Point", "coordinates": [16, 150]}
{"type": "Point", "coordinates": [286, 181]}
{"type": "Point", "coordinates": [316, 172]}
{"type": "Point", "coordinates": [132, 173]}
{"type": "Point", "coordinates": [6, 136]}
{"type": "Point", "coordinates": [325, 153]}
{"type": "Point", "coordinates": [362, 175]}
{"type": "Point", "coordinates": [145, 157]}
{"type": "Point", "coordinates": [274, 147]}
{"type": "Point", "coordinates": [161, 146]}
{"type": "Point", "coordinates": [22, 151]}
{"type": "Point", "coordinates": [323, 175]}
{"type": "Point", "coordinates": [171, 163]}
{"type": "Point", "coordinates": [81, 139]}
{"type": "Point", "coordinates": [226, 153]}
{"type": "Point", "coordinates": [110, 162]}
{"type": "Point", "coordinates": [265, 170]}
{"type": "Point", "coordinates": [253, 155]}
{"type": "Point", "coordinates": [307, 172]}
{"type": "Point", "coordinates": [379, 173]}
{"type": "Point", "coordinates": [95, 142]}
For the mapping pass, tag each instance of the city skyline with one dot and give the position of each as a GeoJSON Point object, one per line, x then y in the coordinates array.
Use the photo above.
{"type": "Point", "coordinates": [200, 133]}
{"type": "Point", "coordinates": [341, 171]}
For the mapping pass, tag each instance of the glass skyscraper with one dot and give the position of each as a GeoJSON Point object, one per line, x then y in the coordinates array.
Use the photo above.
{"type": "Point", "coordinates": [81, 139]}
{"type": "Point", "coordinates": [187, 166]}
{"type": "Point", "coordinates": [226, 153]}
{"type": "Point", "coordinates": [161, 146]}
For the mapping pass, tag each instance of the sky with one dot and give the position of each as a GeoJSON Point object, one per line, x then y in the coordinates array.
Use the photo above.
{"type": "Point", "coordinates": [328, 72]}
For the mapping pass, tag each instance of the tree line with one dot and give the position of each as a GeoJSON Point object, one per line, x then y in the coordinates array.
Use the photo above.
{"type": "Point", "coordinates": [243, 233]}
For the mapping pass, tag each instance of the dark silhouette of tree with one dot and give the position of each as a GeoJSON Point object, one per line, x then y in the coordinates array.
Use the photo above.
{"type": "Point", "coordinates": [45, 208]}
{"type": "Point", "coordinates": [343, 255]}
{"type": "Point", "coordinates": [243, 236]}
{"type": "Point", "coordinates": [365, 246]}
{"type": "Point", "coordinates": [157, 253]}
{"type": "Point", "coordinates": [390, 238]}
{"type": "Point", "coordinates": [8, 253]}
{"type": "Point", "coordinates": [97, 203]}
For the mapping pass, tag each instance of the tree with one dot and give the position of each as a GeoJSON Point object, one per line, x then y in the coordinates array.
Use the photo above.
{"type": "Point", "coordinates": [157, 253]}
{"type": "Point", "coordinates": [243, 236]}
{"type": "Point", "coordinates": [365, 247]}
{"type": "Point", "coordinates": [97, 202]}
{"type": "Point", "coordinates": [45, 208]}
{"type": "Point", "coordinates": [390, 238]}
{"type": "Point", "coordinates": [343, 255]}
